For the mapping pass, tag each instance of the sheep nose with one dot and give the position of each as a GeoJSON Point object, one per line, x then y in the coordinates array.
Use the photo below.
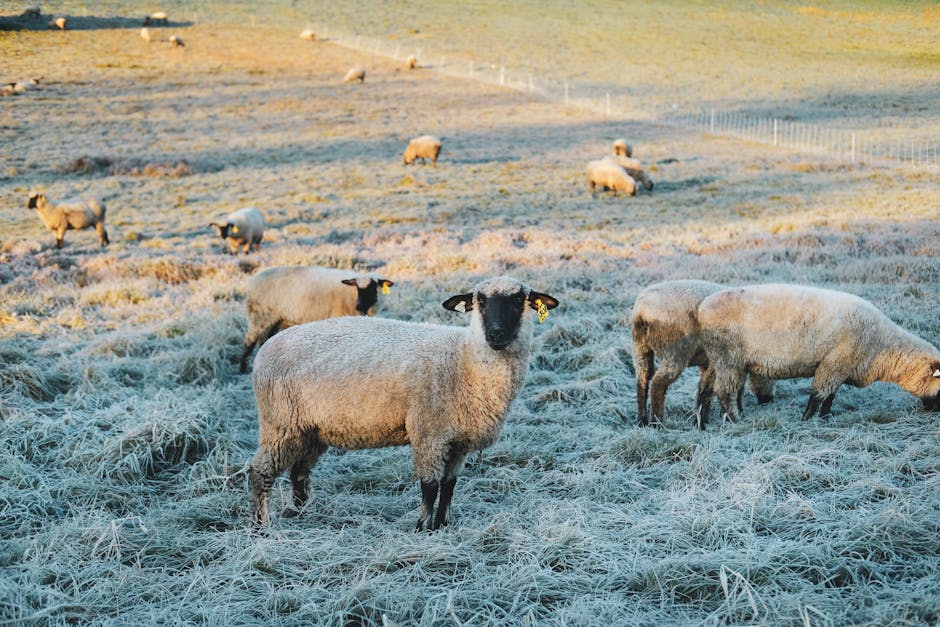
{"type": "Point", "coordinates": [498, 338]}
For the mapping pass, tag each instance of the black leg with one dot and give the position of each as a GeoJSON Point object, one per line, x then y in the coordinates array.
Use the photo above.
{"type": "Point", "coordinates": [826, 409]}
{"type": "Point", "coordinates": [811, 406]}
{"type": "Point", "coordinates": [246, 352]}
{"type": "Point", "coordinates": [428, 496]}
{"type": "Point", "coordinates": [443, 507]}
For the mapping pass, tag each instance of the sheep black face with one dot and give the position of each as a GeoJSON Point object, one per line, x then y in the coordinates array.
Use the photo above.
{"type": "Point", "coordinates": [367, 292]}
{"type": "Point", "coordinates": [932, 403]}
{"type": "Point", "coordinates": [500, 311]}
{"type": "Point", "coordinates": [223, 229]}
{"type": "Point", "coordinates": [34, 201]}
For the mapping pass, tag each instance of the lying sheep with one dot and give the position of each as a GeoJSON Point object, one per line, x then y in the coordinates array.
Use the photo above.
{"type": "Point", "coordinates": [358, 382]}
{"type": "Point", "coordinates": [308, 35]}
{"type": "Point", "coordinates": [355, 74]}
{"type": "Point", "coordinates": [412, 62]}
{"type": "Point", "coordinates": [285, 296]}
{"type": "Point", "coordinates": [608, 175]}
{"type": "Point", "coordinates": [634, 168]}
{"type": "Point", "coordinates": [423, 147]}
{"type": "Point", "coordinates": [665, 328]}
{"type": "Point", "coordinates": [159, 17]}
{"type": "Point", "coordinates": [244, 227]}
{"type": "Point", "coordinates": [782, 331]}
{"type": "Point", "coordinates": [73, 213]}
{"type": "Point", "coordinates": [622, 148]}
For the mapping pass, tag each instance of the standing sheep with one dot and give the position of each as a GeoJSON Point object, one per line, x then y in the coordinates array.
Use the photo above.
{"type": "Point", "coordinates": [634, 168]}
{"type": "Point", "coordinates": [423, 147]}
{"type": "Point", "coordinates": [622, 148]}
{"type": "Point", "coordinates": [159, 17]}
{"type": "Point", "coordinates": [358, 382]}
{"type": "Point", "coordinates": [307, 34]}
{"type": "Point", "coordinates": [73, 213]}
{"type": "Point", "coordinates": [783, 331]}
{"type": "Point", "coordinates": [665, 328]}
{"type": "Point", "coordinates": [285, 296]}
{"type": "Point", "coordinates": [608, 175]}
{"type": "Point", "coordinates": [244, 227]}
{"type": "Point", "coordinates": [412, 62]}
{"type": "Point", "coordinates": [355, 74]}
{"type": "Point", "coordinates": [176, 41]}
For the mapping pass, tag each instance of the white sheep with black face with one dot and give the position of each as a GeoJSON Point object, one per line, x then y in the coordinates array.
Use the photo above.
{"type": "Point", "coordinates": [242, 228]}
{"type": "Point", "coordinates": [355, 74]}
{"type": "Point", "coordinates": [285, 296]}
{"type": "Point", "coordinates": [359, 382]}
{"type": "Point", "coordinates": [634, 168]}
{"type": "Point", "coordinates": [782, 331]}
{"type": "Point", "coordinates": [69, 214]}
{"type": "Point", "coordinates": [608, 175]}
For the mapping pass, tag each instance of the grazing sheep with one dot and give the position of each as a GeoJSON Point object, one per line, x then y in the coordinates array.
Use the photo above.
{"type": "Point", "coordinates": [355, 74]}
{"type": "Point", "coordinates": [608, 175]}
{"type": "Point", "coordinates": [622, 148]}
{"type": "Point", "coordinates": [665, 328]}
{"type": "Point", "coordinates": [285, 296]}
{"type": "Point", "coordinates": [176, 41]}
{"type": "Point", "coordinates": [423, 147]}
{"type": "Point", "coordinates": [308, 34]}
{"type": "Point", "coordinates": [145, 34]}
{"type": "Point", "coordinates": [58, 22]}
{"type": "Point", "coordinates": [783, 331]}
{"type": "Point", "coordinates": [73, 213]}
{"type": "Point", "coordinates": [634, 168]}
{"type": "Point", "coordinates": [244, 227]}
{"type": "Point", "coordinates": [412, 62]}
{"type": "Point", "coordinates": [32, 11]}
{"type": "Point", "coordinates": [358, 382]}
{"type": "Point", "coordinates": [159, 17]}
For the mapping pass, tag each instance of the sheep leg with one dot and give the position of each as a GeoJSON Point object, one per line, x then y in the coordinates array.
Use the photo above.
{"type": "Point", "coordinates": [60, 237]}
{"type": "Point", "coordinates": [703, 403]}
{"type": "Point", "coordinates": [453, 466]}
{"type": "Point", "coordinates": [102, 235]}
{"type": "Point", "coordinates": [727, 385]}
{"type": "Point", "coordinates": [428, 496]}
{"type": "Point", "coordinates": [644, 366]}
{"type": "Point", "coordinates": [664, 377]}
{"type": "Point", "coordinates": [826, 407]}
{"type": "Point", "coordinates": [300, 474]}
{"type": "Point", "coordinates": [264, 468]}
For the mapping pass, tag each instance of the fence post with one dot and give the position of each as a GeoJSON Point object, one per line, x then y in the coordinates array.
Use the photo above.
{"type": "Point", "coordinates": [608, 104]}
{"type": "Point", "coordinates": [852, 153]}
{"type": "Point", "coordinates": [566, 92]}
{"type": "Point", "coordinates": [775, 131]}
{"type": "Point", "coordinates": [711, 123]}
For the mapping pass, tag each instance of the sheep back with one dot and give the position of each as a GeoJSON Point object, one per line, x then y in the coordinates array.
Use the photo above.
{"type": "Point", "coordinates": [609, 175]}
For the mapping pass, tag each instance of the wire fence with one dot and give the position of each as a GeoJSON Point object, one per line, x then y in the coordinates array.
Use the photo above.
{"type": "Point", "coordinates": [844, 144]}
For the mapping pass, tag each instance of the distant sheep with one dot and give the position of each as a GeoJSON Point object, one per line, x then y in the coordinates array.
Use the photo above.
{"type": "Point", "coordinates": [176, 41]}
{"type": "Point", "coordinates": [665, 328]}
{"type": "Point", "coordinates": [622, 148]}
{"type": "Point", "coordinates": [358, 382]}
{"type": "Point", "coordinates": [58, 23]}
{"type": "Point", "coordinates": [244, 227]}
{"type": "Point", "coordinates": [145, 34]}
{"type": "Point", "coordinates": [423, 147]}
{"type": "Point", "coordinates": [32, 11]}
{"type": "Point", "coordinates": [412, 62]}
{"type": "Point", "coordinates": [285, 296]}
{"type": "Point", "coordinates": [783, 331]}
{"type": "Point", "coordinates": [609, 176]}
{"type": "Point", "coordinates": [308, 34]}
{"type": "Point", "coordinates": [73, 213]}
{"type": "Point", "coordinates": [159, 17]}
{"type": "Point", "coordinates": [634, 168]}
{"type": "Point", "coordinates": [355, 74]}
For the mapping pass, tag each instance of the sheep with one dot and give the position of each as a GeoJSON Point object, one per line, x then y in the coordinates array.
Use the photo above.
{"type": "Point", "coordinates": [782, 331]}
{"type": "Point", "coordinates": [32, 11]}
{"type": "Point", "coordinates": [176, 41]}
{"type": "Point", "coordinates": [412, 62]}
{"type": "Point", "coordinates": [145, 34]}
{"type": "Point", "coordinates": [73, 213]}
{"type": "Point", "coordinates": [622, 148]}
{"type": "Point", "coordinates": [664, 325]}
{"type": "Point", "coordinates": [157, 17]}
{"type": "Point", "coordinates": [244, 227]}
{"type": "Point", "coordinates": [308, 34]}
{"type": "Point", "coordinates": [423, 147]}
{"type": "Point", "coordinates": [355, 74]}
{"type": "Point", "coordinates": [284, 296]}
{"type": "Point", "coordinates": [58, 23]}
{"type": "Point", "coordinates": [358, 382]}
{"type": "Point", "coordinates": [634, 168]}
{"type": "Point", "coordinates": [609, 175]}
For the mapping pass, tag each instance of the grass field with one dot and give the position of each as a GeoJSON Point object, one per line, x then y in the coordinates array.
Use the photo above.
{"type": "Point", "coordinates": [126, 428]}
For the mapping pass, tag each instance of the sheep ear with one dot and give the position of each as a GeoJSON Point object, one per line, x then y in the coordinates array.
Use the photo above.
{"type": "Point", "coordinates": [386, 283]}
{"type": "Point", "coordinates": [550, 302]}
{"type": "Point", "coordinates": [462, 303]}
{"type": "Point", "coordinates": [351, 282]}
{"type": "Point", "coordinates": [936, 373]}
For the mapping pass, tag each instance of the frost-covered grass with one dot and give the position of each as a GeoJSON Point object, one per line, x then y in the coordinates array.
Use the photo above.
{"type": "Point", "coordinates": [126, 429]}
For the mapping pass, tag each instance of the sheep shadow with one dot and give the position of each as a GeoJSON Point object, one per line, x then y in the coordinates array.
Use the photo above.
{"type": "Point", "coordinates": [81, 22]}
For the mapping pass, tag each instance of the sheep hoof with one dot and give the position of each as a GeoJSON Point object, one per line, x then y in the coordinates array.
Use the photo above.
{"type": "Point", "coordinates": [290, 512]}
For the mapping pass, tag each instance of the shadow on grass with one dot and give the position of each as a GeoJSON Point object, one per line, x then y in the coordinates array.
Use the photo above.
{"type": "Point", "coordinates": [76, 22]}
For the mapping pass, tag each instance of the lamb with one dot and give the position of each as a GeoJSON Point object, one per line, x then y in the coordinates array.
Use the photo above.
{"type": "Point", "coordinates": [665, 327]}
{"type": "Point", "coordinates": [412, 62]}
{"type": "Point", "coordinates": [285, 296]}
{"type": "Point", "coordinates": [609, 175]}
{"type": "Point", "coordinates": [355, 74]}
{"type": "Point", "coordinates": [634, 168]}
{"type": "Point", "coordinates": [423, 147]}
{"type": "Point", "coordinates": [782, 331]}
{"type": "Point", "coordinates": [359, 382]}
{"type": "Point", "coordinates": [73, 213]}
{"type": "Point", "coordinates": [244, 227]}
{"type": "Point", "coordinates": [622, 148]}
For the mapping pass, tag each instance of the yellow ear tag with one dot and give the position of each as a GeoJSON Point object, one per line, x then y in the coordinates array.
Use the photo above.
{"type": "Point", "coordinates": [541, 310]}
{"type": "Point", "coordinates": [385, 289]}
{"type": "Point", "coordinates": [234, 229]}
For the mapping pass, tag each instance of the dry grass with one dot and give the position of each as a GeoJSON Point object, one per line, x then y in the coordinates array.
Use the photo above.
{"type": "Point", "coordinates": [126, 428]}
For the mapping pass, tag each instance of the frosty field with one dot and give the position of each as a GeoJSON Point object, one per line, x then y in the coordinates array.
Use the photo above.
{"type": "Point", "coordinates": [126, 428]}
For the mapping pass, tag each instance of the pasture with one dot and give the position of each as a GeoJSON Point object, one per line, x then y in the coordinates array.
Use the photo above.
{"type": "Point", "coordinates": [126, 428]}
